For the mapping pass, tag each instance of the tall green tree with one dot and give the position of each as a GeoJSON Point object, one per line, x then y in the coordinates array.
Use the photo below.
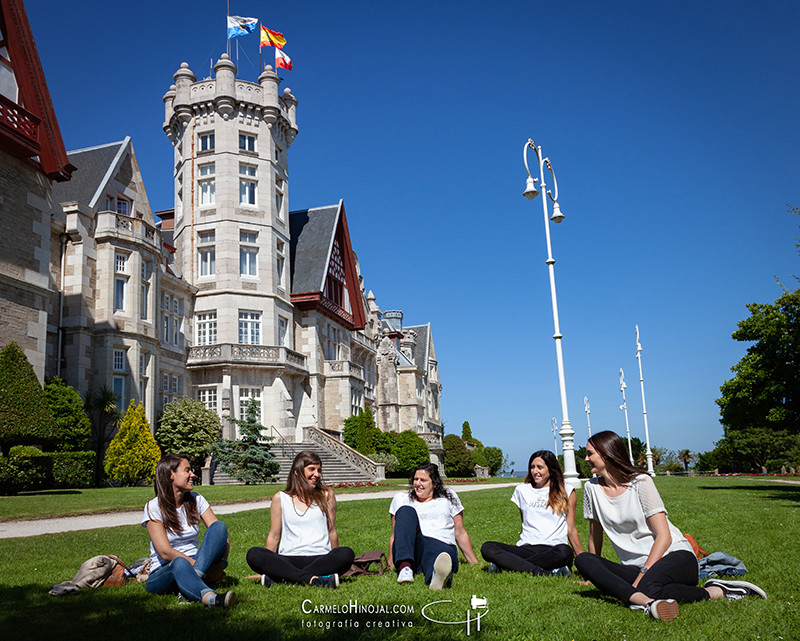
{"type": "Point", "coordinates": [764, 393]}
{"type": "Point", "coordinates": [188, 427]}
{"type": "Point", "coordinates": [360, 432]}
{"type": "Point", "coordinates": [25, 418]}
{"type": "Point", "coordinates": [248, 459]}
{"type": "Point", "coordinates": [686, 457]}
{"type": "Point", "coordinates": [66, 406]}
{"type": "Point", "coordinates": [411, 450]}
{"type": "Point", "coordinates": [133, 453]}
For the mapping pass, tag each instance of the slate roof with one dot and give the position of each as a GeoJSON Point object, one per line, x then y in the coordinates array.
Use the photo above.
{"type": "Point", "coordinates": [311, 232]}
{"type": "Point", "coordinates": [423, 340]}
{"type": "Point", "coordinates": [94, 167]}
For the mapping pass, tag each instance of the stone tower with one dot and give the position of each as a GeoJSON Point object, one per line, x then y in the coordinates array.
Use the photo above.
{"type": "Point", "coordinates": [231, 140]}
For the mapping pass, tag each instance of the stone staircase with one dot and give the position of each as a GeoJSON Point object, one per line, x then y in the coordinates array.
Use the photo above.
{"type": "Point", "coordinates": [335, 469]}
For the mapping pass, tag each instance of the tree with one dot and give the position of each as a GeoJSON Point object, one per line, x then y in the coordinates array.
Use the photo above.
{"type": "Point", "coordinates": [495, 459]}
{"type": "Point", "coordinates": [25, 418]}
{"type": "Point", "coordinates": [360, 432]}
{"type": "Point", "coordinates": [133, 453]}
{"type": "Point", "coordinates": [686, 457]}
{"type": "Point", "coordinates": [66, 406]}
{"type": "Point", "coordinates": [249, 459]}
{"type": "Point", "coordinates": [104, 417]}
{"type": "Point", "coordinates": [745, 450]}
{"type": "Point", "coordinates": [764, 392]}
{"type": "Point", "coordinates": [411, 451]}
{"type": "Point", "coordinates": [637, 447]}
{"type": "Point", "coordinates": [188, 427]}
{"type": "Point", "coordinates": [466, 435]}
{"type": "Point", "coordinates": [457, 460]}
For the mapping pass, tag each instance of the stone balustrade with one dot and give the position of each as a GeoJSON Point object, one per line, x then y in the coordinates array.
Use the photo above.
{"type": "Point", "coordinates": [326, 441]}
{"type": "Point", "coordinates": [221, 353]}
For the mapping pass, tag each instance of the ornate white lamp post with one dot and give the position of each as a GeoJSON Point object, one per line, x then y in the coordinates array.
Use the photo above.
{"type": "Point", "coordinates": [649, 452]}
{"type": "Point", "coordinates": [624, 408]}
{"type": "Point", "coordinates": [588, 412]}
{"type": "Point", "coordinates": [554, 429]}
{"type": "Point", "coordinates": [567, 433]}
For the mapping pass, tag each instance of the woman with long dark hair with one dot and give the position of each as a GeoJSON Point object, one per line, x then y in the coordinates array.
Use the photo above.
{"type": "Point", "coordinates": [547, 509]}
{"type": "Point", "coordinates": [172, 520]}
{"type": "Point", "coordinates": [427, 523]}
{"type": "Point", "coordinates": [657, 568]}
{"type": "Point", "coordinates": [302, 544]}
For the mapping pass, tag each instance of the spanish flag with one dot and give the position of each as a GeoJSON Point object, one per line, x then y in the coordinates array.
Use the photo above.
{"type": "Point", "coordinates": [271, 38]}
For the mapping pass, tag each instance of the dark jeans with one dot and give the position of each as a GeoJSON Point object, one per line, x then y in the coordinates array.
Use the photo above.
{"type": "Point", "coordinates": [299, 569]}
{"type": "Point", "coordinates": [673, 576]}
{"type": "Point", "coordinates": [536, 559]}
{"type": "Point", "coordinates": [410, 545]}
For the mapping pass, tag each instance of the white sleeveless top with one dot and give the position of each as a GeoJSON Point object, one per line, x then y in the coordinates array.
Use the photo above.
{"type": "Point", "coordinates": [304, 532]}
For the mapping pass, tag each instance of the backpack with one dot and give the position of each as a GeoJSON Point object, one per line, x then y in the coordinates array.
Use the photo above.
{"type": "Point", "coordinates": [362, 563]}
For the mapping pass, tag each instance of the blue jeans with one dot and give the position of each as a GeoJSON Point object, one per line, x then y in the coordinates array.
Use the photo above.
{"type": "Point", "coordinates": [188, 578]}
{"type": "Point", "coordinates": [412, 546]}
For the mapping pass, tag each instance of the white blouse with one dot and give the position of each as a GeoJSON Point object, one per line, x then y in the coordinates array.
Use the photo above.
{"type": "Point", "coordinates": [304, 531]}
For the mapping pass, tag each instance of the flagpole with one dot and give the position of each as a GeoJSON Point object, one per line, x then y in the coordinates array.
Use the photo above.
{"type": "Point", "coordinates": [228, 15]}
{"type": "Point", "coordinates": [260, 68]}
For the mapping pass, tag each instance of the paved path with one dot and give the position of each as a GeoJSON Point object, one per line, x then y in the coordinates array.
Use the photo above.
{"type": "Point", "coordinates": [17, 529]}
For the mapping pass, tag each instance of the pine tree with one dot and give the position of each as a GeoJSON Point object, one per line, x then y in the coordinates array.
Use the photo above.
{"type": "Point", "coordinates": [66, 406]}
{"type": "Point", "coordinates": [249, 459]}
{"type": "Point", "coordinates": [25, 418]}
{"type": "Point", "coordinates": [133, 453]}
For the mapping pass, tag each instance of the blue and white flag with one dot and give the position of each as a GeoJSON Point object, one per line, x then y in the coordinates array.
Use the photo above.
{"type": "Point", "coordinates": [238, 26]}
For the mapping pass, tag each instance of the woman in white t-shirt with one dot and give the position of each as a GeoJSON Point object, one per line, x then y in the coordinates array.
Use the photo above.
{"type": "Point", "coordinates": [172, 519]}
{"type": "Point", "coordinates": [427, 523]}
{"type": "Point", "coordinates": [657, 568]}
{"type": "Point", "coordinates": [547, 508]}
{"type": "Point", "coordinates": [302, 544]}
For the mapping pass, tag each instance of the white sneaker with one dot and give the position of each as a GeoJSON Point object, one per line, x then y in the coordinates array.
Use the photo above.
{"type": "Point", "coordinates": [442, 567]}
{"type": "Point", "coordinates": [406, 575]}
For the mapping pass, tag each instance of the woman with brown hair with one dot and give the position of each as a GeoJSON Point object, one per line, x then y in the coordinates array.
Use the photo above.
{"type": "Point", "coordinates": [302, 544]}
{"type": "Point", "coordinates": [171, 519]}
{"type": "Point", "coordinates": [657, 568]}
{"type": "Point", "coordinates": [547, 508]}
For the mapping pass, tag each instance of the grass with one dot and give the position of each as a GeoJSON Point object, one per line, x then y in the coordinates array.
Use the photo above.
{"type": "Point", "coordinates": [755, 520]}
{"type": "Point", "coordinates": [55, 503]}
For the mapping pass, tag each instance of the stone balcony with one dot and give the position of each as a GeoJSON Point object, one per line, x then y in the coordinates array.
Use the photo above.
{"type": "Point", "coordinates": [359, 338]}
{"type": "Point", "coordinates": [110, 223]}
{"type": "Point", "coordinates": [432, 440]}
{"type": "Point", "coordinates": [338, 369]}
{"type": "Point", "coordinates": [253, 355]}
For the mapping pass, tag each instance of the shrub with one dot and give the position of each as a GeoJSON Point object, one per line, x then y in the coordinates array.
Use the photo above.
{"type": "Point", "coordinates": [457, 461]}
{"type": "Point", "coordinates": [188, 427]}
{"type": "Point", "coordinates": [495, 459]}
{"type": "Point", "coordinates": [360, 432]}
{"type": "Point", "coordinates": [410, 450]}
{"type": "Point", "coordinates": [133, 453]}
{"type": "Point", "coordinates": [73, 469]}
{"type": "Point", "coordinates": [66, 406]}
{"type": "Point", "coordinates": [24, 416]}
{"type": "Point", "coordinates": [390, 462]}
{"type": "Point", "coordinates": [249, 459]}
{"type": "Point", "coordinates": [27, 468]}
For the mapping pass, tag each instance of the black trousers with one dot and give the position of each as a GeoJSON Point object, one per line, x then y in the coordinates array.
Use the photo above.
{"type": "Point", "coordinates": [299, 569]}
{"type": "Point", "coordinates": [536, 559]}
{"type": "Point", "coordinates": [673, 576]}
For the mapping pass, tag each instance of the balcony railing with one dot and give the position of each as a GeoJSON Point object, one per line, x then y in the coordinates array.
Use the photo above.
{"type": "Point", "coordinates": [344, 368]}
{"type": "Point", "coordinates": [364, 341]}
{"type": "Point", "coordinates": [20, 127]}
{"type": "Point", "coordinates": [233, 353]}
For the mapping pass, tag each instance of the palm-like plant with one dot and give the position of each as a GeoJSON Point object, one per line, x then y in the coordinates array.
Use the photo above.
{"type": "Point", "coordinates": [104, 415]}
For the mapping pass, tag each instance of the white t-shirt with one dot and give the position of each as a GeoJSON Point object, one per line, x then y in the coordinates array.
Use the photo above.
{"type": "Point", "coordinates": [540, 525]}
{"type": "Point", "coordinates": [184, 541]}
{"type": "Point", "coordinates": [435, 516]}
{"type": "Point", "coordinates": [624, 518]}
{"type": "Point", "coordinates": [304, 532]}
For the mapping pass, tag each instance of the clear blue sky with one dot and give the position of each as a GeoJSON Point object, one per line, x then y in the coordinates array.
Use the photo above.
{"type": "Point", "coordinates": [672, 128]}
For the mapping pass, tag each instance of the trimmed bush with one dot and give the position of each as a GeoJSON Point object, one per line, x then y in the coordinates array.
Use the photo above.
{"type": "Point", "coordinates": [360, 432]}
{"type": "Point", "coordinates": [66, 406]}
{"type": "Point", "coordinates": [73, 469]}
{"type": "Point", "coordinates": [133, 453]}
{"type": "Point", "coordinates": [457, 460]}
{"type": "Point", "coordinates": [26, 469]}
{"type": "Point", "coordinates": [25, 418]}
{"type": "Point", "coordinates": [389, 461]}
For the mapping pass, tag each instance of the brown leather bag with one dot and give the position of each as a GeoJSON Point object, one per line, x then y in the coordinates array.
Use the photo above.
{"type": "Point", "coordinates": [361, 564]}
{"type": "Point", "coordinates": [118, 576]}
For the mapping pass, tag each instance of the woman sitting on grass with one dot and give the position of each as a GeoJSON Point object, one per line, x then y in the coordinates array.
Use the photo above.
{"type": "Point", "coordinates": [302, 545]}
{"type": "Point", "coordinates": [171, 519]}
{"type": "Point", "coordinates": [547, 508]}
{"type": "Point", "coordinates": [427, 522]}
{"type": "Point", "coordinates": [658, 569]}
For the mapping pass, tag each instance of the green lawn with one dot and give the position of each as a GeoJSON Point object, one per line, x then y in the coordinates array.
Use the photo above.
{"type": "Point", "coordinates": [753, 519]}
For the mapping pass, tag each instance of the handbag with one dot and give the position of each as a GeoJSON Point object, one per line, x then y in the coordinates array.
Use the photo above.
{"type": "Point", "coordinates": [361, 564]}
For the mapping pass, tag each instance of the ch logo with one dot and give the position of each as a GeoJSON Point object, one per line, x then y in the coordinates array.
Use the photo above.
{"type": "Point", "coordinates": [477, 610]}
